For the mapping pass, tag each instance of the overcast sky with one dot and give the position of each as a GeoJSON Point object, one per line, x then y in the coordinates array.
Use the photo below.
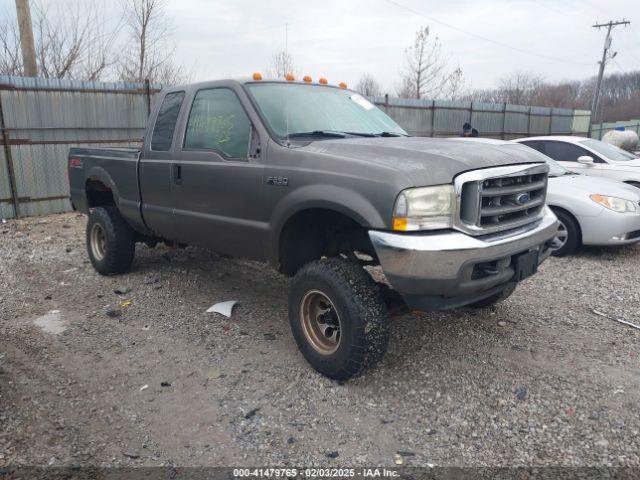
{"type": "Point", "coordinates": [341, 39]}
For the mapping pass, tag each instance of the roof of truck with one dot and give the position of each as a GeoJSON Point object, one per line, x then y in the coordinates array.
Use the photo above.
{"type": "Point", "coordinates": [245, 81]}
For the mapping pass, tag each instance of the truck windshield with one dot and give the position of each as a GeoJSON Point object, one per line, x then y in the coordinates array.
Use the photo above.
{"type": "Point", "coordinates": [293, 109]}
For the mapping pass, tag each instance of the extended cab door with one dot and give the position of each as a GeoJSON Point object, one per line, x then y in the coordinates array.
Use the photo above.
{"type": "Point", "coordinates": [217, 176]}
{"type": "Point", "coordinates": [155, 167]}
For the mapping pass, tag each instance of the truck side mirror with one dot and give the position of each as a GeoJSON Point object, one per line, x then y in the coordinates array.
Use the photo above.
{"type": "Point", "coordinates": [586, 160]}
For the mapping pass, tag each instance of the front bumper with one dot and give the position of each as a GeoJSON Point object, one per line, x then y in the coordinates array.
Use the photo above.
{"type": "Point", "coordinates": [435, 271]}
{"type": "Point", "coordinates": [610, 228]}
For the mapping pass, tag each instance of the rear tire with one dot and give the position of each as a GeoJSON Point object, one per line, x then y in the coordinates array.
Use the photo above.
{"type": "Point", "coordinates": [568, 239]}
{"type": "Point", "coordinates": [110, 241]}
{"type": "Point", "coordinates": [338, 318]}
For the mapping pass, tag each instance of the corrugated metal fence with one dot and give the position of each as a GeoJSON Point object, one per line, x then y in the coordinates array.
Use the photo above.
{"type": "Point", "coordinates": [442, 118]}
{"type": "Point", "coordinates": [42, 118]}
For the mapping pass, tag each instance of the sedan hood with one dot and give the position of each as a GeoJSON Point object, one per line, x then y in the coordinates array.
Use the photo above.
{"type": "Point", "coordinates": [586, 185]}
{"type": "Point", "coordinates": [424, 161]}
{"type": "Point", "coordinates": [627, 163]}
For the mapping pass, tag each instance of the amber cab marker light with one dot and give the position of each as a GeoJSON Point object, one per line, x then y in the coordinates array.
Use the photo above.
{"type": "Point", "coordinates": [342, 85]}
{"type": "Point", "coordinates": [257, 76]}
{"type": "Point", "coordinates": [307, 79]}
{"type": "Point", "coordinates": [323, 80]}
{"type": "Point", "coordinates": [290, 77]}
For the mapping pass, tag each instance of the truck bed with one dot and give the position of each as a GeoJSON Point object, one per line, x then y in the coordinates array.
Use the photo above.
{"type": "Point", "coordinates": [112, 174]}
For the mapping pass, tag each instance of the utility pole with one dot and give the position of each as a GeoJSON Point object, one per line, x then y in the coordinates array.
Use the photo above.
{"type": "Point", "coordinates": [605, 52]}
{"type": "Point", "coordinates": [26, 38]}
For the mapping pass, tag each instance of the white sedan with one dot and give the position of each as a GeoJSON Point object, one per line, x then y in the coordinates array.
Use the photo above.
{"type": "Point", "coordinates": [589, 156]}
{"type": "Point", "coordinates": [591, 211]}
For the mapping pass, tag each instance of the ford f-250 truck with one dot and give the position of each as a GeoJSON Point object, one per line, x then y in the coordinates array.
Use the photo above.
{"type": "Point", "coordinates": [320, 183]}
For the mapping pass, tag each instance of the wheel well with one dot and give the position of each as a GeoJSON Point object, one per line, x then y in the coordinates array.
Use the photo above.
{"type": "Point", "coordinates": [98, 194]}
{"type": "Point", "coordinates": [315, 233]}
{"type": "Point", "coordinates": [572, 216]}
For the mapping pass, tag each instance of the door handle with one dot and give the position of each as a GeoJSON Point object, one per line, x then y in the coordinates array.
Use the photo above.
{"type": "Point", "coordinates": [176, 173]}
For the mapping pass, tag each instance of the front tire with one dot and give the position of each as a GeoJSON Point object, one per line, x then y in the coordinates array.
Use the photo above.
{"type": "Point", "coordinates": [338, 318]}
{"type": "Point", "coordinates": [110, 241]}
{"type": "Point", "coordinates": [568, 239]}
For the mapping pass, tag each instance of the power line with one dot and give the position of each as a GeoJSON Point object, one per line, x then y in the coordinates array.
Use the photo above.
{"type": "Point", "coordinates": [486, 39]}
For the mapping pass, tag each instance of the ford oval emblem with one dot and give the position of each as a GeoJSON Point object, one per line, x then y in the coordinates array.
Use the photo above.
{"type": "Point", "coordinates": [523, 199]}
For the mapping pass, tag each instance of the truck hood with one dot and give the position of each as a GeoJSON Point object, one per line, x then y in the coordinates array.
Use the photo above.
{"type": "Point", "coordinates": [425, 161]}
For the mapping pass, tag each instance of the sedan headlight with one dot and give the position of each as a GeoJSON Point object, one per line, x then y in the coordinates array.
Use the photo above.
{"type": "Point", "coordinates": [616, 204]}
{"type": "Point", "coordinates": [424, 208]}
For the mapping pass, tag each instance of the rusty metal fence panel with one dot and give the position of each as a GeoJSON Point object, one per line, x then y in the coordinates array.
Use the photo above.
{"type": "Point", "coordinates": [43, 118]}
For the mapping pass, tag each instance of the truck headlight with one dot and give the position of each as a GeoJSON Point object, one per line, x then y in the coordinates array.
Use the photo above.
{"type": "Point", "coordinates": [424, 208]}
{"type": "Point", "coordinates": [616, 204]}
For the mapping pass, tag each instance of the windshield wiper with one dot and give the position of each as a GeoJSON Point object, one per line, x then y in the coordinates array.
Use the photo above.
{"type": "Point", "coordinates": [318, 133]}
{"type": "Point", "coordinates": [389, 134]}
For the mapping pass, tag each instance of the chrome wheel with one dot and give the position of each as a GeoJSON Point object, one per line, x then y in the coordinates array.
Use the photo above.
{"type": "Point", "coordinates": [561, 237]}
{"type": "Point", "coordinates": [98, 241]}
{"type": "Point", "coordinates": [320, 322]}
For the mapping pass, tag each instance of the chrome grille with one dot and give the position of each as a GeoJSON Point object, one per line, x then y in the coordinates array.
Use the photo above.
{"type": "Point", "coordinates": [500, 198]}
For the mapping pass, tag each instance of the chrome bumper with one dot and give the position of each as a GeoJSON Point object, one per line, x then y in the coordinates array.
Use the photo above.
{"type": "Point", "coordinates": [456, 266]}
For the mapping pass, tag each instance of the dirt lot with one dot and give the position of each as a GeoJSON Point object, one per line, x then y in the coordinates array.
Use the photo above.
{"type": "Point", "coordinates": [539, 380]}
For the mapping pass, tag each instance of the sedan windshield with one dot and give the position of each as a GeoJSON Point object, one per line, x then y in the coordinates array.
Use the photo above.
{"type": "Point", "coordinates": [298, 110]}
{"type": "Point", "coordinates": [610, 151]}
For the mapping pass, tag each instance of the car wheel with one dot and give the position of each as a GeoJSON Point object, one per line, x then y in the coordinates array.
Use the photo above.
{"type": "Point", "coordinates": [110, 241]}
{"type": "Point", "coordinates": [567, 239]}
{"type": "Point", "coordinates": [338, 317]}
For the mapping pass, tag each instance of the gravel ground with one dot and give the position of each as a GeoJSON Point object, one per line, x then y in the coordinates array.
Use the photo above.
{"type": "Point", "coordinates": [146, 377]}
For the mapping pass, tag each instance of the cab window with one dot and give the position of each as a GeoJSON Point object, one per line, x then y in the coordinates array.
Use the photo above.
{"type": "Point", "coordinates": [162, 135]}
{"type": "Point", "coordinates": [218, 122]}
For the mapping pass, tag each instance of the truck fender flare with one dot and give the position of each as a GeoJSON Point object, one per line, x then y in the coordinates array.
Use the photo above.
{"type": "Point", "coordinates": [329, 197]}
{"type": "Point", "coordinates": [100, 174]}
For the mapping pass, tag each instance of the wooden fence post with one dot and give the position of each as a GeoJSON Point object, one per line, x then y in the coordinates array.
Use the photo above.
{"type": "Point", "coordinates": [9, 160]}
{"type": "Point", "coordinates": [433, 118]}
{"type": "Point", "coordinates": [147, 90]}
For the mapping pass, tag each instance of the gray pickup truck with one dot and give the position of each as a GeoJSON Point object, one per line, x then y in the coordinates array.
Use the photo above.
{"type": "Point", "coordinates": [320, 183]}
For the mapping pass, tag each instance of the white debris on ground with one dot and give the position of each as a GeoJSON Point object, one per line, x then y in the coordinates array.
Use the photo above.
{"type": "Point", "coordinates": [223, 308]}
{"type": "Point", "coordinates": [51, 322]}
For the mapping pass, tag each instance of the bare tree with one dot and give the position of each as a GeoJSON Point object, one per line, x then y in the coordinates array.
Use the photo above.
{"type": "Point", "coordinates": [281, 65]}
{"type": "Point", "coordinates": [457, 85]}
{"type": "Point", "coordinates": [368, 86]}
{"type": "Point", "coordinates": [71, 42]}
{"type": "Point", "coordinates": [10, 57]}
{"type": "Point", "coordinates": [520, 88]}
{"type": "Point", "coordinates": [149, 53]}
{"type": "Point", "coordinates": [424, 73]}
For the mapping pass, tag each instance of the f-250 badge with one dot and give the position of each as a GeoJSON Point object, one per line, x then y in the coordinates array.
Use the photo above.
{"type": "Point", "coordinates": [278, 181]}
